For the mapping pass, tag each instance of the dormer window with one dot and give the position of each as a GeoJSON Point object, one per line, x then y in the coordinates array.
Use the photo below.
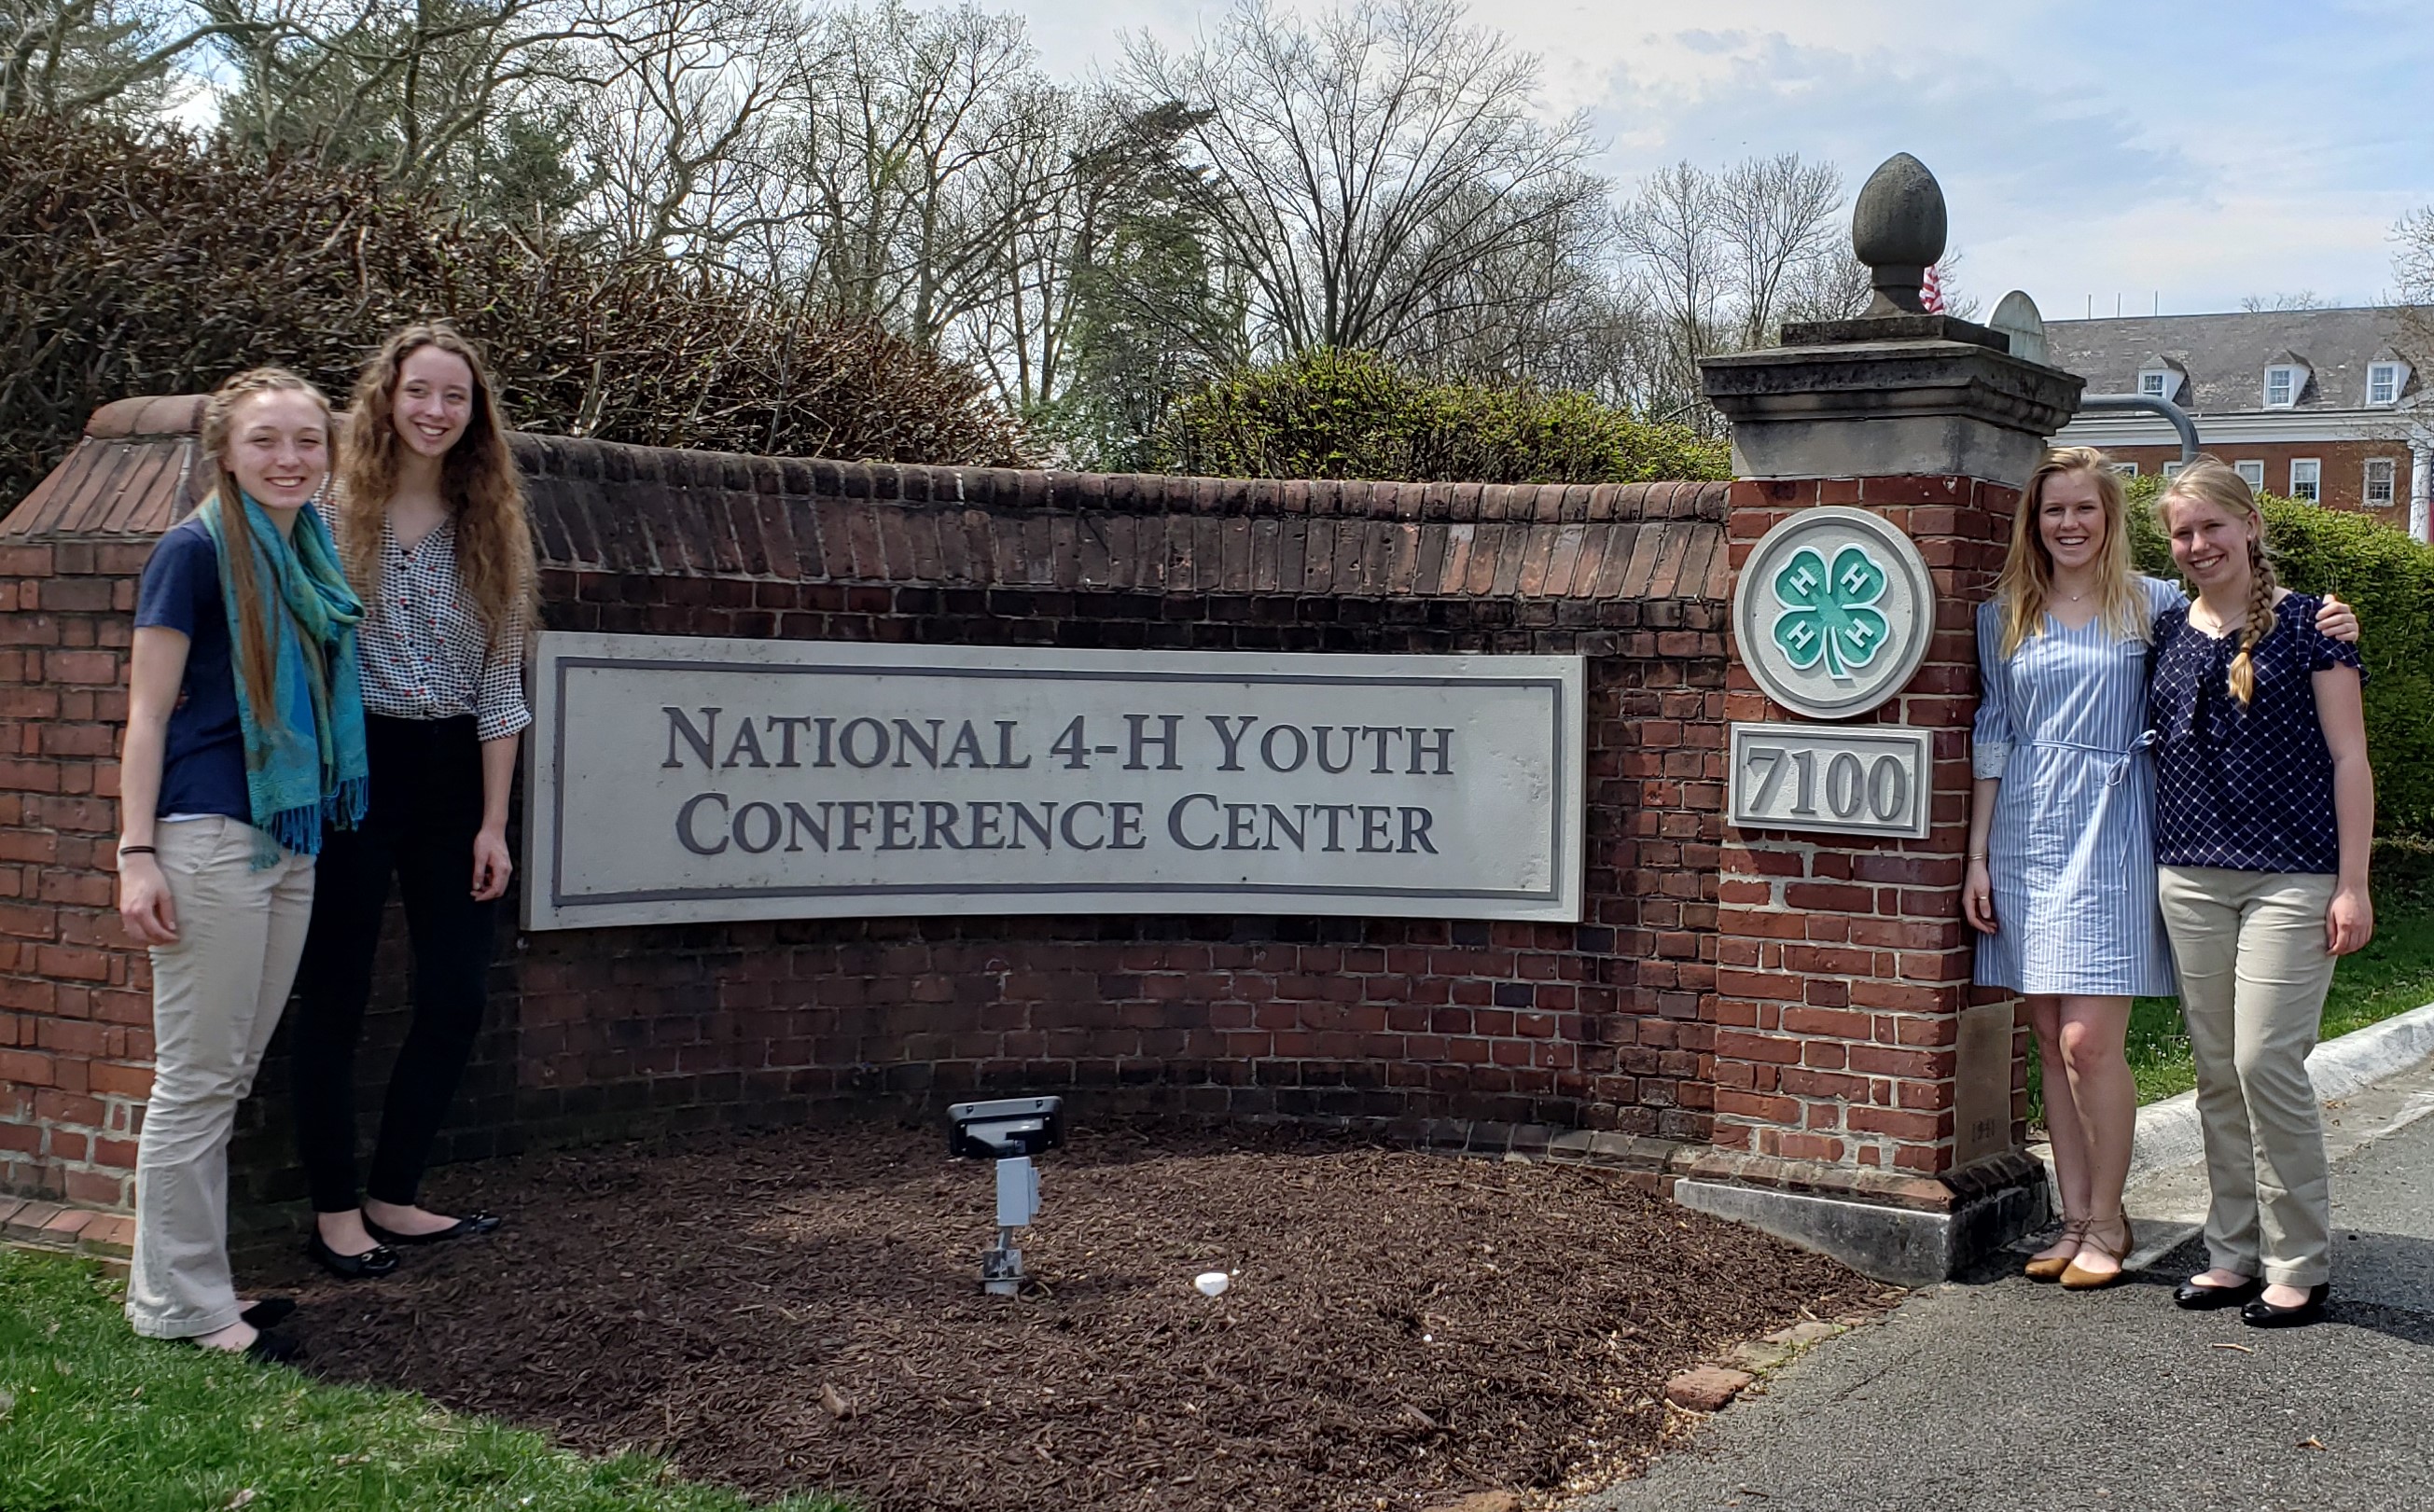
{"type": "Point", "coordinates": [2160, 377]}
{"type": "Point", "coordinates": [2383, 380]}
{"type": "Point", "coordinates": [2282, 383]}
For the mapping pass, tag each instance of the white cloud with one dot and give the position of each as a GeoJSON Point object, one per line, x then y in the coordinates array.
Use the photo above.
{"type": "Point", "coordinates": [2086, 147]}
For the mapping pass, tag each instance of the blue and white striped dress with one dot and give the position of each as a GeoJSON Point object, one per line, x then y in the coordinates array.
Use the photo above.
{"type": "Point", "coordinates": [2063, 724]}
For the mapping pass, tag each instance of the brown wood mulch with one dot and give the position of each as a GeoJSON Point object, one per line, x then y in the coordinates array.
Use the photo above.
{"type": "Point", "coordinates": [800, 1311]}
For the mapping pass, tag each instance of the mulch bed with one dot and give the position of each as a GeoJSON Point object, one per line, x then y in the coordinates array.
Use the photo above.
{"type": "Point", "coordinates": [800, 1311]}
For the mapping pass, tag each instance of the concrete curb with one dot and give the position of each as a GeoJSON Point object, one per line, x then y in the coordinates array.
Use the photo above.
{"type": "Point", "coordinates": [2169, 1134]}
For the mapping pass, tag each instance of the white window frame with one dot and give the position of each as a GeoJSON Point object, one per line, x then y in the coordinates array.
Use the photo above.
{"type": "Point", "coordinates": [2390, 371]}
{"type": "Point", "coordinates": [2367, 495]}
{"type": "Point", "coordinates": [2173, 470]}
{"type": "Point", "coordinates": [2315, 484]}
{"type": "Point", "coordinates": [2290, 375]}
{"type": "Point", "coordinates": [2155, 382]}
{"type": "Point", "coordinates": [2251, 474]}
{"type": "Point", "coordinates": [2127, 470]}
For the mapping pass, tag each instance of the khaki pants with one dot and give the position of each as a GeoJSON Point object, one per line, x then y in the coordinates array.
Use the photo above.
{"type": "Point", "coordinates": [216, 996]}
{"type": "Point", "coordinates": [2250, 946]}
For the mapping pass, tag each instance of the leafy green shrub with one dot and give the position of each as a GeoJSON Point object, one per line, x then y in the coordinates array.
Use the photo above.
{"type": "Point", "coordinates": [160, 264]}
{"type": "Point", "coordinates": [2390, 579]}
{"type": "Point", "coordinates": [1354, 415]}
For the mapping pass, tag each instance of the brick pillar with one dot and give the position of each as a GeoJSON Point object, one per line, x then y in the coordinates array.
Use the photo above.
{"type": "Point", "coordinates": [1843, 965]}
{"type": "Point", "coordinates": [1868, 1101]}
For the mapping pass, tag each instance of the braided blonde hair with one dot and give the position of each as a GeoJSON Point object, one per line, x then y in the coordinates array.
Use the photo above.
{"type": "Point", "coordinates": [2207, 480]}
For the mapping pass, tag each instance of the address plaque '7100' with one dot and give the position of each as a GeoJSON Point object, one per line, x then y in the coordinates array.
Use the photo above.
{"type": "Point", "coordinates": [1847, 779]}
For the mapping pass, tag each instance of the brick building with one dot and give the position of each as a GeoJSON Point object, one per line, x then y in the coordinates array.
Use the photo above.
{"type": "Point", "coordinates": [2324, 404]}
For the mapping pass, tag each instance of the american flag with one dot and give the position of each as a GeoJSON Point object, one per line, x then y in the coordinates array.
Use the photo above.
{"type": "Point", "coordinates": [1930, 292]}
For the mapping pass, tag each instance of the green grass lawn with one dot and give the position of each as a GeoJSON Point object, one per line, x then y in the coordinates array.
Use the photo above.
{"type": "Point", "coordinates": [2394, 974]}
{"type": "Point", "coordinates": [94, 1417]}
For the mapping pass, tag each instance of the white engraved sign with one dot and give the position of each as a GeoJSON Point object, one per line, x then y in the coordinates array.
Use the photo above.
{"type": "Point", "coordinates": [1833, 611]}
{"type": "Point", "coordinates": [1844, 778]}
{"type": "Point", "coordinates": [678, 780]}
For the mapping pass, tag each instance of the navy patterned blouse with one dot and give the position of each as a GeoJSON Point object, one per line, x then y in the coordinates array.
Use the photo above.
{"type": "Point", "coordinates": [2246, 788]}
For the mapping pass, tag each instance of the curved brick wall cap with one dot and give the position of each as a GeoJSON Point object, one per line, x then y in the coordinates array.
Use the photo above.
{"type": "Point", "coordinates": [146, 416]}
{"type": "Point", "coordinates": [605, 506]}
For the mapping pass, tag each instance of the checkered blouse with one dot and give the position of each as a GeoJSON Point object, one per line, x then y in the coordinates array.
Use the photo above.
{"type": "Point", "coordinates": [426, 655]}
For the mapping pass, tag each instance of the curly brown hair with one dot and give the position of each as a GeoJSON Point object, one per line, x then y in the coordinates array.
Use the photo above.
{"type": "Point", "coordinates": [236, 530]}
{"type": "Point", "coordinates": [477, 480]}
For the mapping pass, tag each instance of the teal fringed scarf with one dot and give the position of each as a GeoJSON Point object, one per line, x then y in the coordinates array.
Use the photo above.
{"type": "Point", "coordinates": [306, 764]}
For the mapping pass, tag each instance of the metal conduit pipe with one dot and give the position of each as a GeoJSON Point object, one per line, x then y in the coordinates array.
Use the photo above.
{"type": "Point", "coordinates": [2150, 403]}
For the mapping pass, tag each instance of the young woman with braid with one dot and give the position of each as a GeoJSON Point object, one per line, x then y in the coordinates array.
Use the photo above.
{"type": "Point", "coordinates": [2266, 812]}
{"type": "Point", "coordinates": [244, 758]}
{"type": "Point", "coordinates": [432, 528]}
{"type": "Point", "coordinates": [2061, 879]}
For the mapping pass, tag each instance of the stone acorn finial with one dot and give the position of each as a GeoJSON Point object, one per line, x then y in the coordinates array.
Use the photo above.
{"type": "Point", "coordinates": [1897, 229]}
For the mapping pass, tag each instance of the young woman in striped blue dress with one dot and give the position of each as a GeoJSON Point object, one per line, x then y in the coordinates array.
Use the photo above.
{"type": "Point", "coordinates": [2061, 882]}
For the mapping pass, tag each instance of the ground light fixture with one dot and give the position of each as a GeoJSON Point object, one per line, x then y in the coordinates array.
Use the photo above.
{"type": "Point", "coordinates": [1012, 1129]}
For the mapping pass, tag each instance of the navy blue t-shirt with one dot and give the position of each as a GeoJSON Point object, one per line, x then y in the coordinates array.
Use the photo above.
{"type": "Point", "coordinates": [203, 769]}
{"type": "Point", "coordinates": [2245, 788]}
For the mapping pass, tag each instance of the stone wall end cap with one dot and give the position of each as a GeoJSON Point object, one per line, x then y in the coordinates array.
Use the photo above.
{"type": "Point", "coordinates": [147, 415]}
{"type": "Point", "coordinates": [1868, 328]}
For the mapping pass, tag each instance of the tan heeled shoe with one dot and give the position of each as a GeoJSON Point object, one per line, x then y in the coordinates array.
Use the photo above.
{"type": "Point", "coordinates": [2076, 1280]}
{"type": "Point", "coordinates": [2051, 1267]}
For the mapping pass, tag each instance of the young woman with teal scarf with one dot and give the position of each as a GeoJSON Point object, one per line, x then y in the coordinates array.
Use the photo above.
{"type": "Point", "coordinates": [245, 747]}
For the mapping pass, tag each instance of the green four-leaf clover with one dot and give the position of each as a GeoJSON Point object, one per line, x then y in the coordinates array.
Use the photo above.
{"type": "Point", "coordinates": [1827, 614]}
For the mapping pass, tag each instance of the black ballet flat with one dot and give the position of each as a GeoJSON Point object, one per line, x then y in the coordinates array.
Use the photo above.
{"type": "Point", "coordinates": [2261, 1313]}
{"type": "Point", "coordinates": [370, 1266]}
{"type": "Point", "coordinates": [271, 1349]}
{"type": "Point", "coordinates": [268, 1313]}
{"type": "Point", "coordinates": [267, 1348]}
{"type": "Point", "coordinates": [2196, 1299]}
{"type": "Point", "coordinates": [464, 1228]}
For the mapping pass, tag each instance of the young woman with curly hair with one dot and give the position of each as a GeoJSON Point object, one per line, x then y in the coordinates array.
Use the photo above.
{"type": "Point", "coordinates": [432, 527]}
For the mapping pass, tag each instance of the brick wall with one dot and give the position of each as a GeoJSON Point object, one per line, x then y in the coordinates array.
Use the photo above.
{"type": "Point", "coordinates": [613, 1032]}
{"type": "Point", "coordinates": [76, 1015]}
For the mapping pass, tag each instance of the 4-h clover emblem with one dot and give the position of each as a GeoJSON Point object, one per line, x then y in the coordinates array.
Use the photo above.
{"type": "Point", "coordinates": [1833, 611]}
{"type": "Point", "coordinates": [1827, 611]}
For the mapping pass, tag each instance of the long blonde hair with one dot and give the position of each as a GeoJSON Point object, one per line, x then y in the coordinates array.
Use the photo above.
{"type": "Point", "coordinates": [2207, 480]}
{"type": "Point", "coordinates": [237, 529]}
{"type": "Point", "coordinates": [477, 480]}
{"type": "Point", "coordinates": [2027, 579]}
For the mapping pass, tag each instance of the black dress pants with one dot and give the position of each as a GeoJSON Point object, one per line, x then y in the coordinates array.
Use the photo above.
{"type": "Point", "coordinates": [425, 809]}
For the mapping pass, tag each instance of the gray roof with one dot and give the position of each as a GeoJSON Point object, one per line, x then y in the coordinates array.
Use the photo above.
{"type": "Point", "coordinates": [2225, 355]}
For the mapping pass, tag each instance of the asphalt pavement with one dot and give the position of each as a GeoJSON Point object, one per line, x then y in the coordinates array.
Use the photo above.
{"type": "Point", "coordinates": [1999, 1392]}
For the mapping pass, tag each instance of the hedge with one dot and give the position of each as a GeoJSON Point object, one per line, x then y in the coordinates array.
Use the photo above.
{"type": "Point", "coordinates": [149, 265]}
{"type": "Point", "coordinates": [2390, 579]}
{"type": "Point", "coordinates": [1355, 415]}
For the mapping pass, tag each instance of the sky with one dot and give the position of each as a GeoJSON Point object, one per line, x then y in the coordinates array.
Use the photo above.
{"type": "Point", "coordinates": [2101, 154]}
